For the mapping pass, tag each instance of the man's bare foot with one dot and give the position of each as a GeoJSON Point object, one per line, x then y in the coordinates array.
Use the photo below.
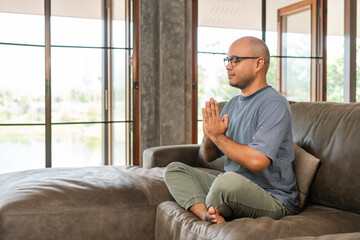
{"type": "Point", "coordinates": [199, 210]}
{"type": "Point", "coordinates": [213, 215]}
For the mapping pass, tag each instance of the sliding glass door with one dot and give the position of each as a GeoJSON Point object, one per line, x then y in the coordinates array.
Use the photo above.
{"type": "Point", "coordinates": [65, 80]}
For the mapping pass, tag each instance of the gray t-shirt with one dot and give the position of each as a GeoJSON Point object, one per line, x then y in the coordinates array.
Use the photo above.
{"type": "Point", "coordinates": [263, 122]}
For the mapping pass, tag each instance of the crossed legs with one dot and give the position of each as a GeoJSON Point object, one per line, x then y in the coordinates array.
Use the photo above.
{"type": "Point", "coordinates": [214, 198]}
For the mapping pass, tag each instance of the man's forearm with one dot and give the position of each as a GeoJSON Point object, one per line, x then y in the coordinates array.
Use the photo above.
{"type": "Point", "coordinates": [208, 150]}
{"type": "Point", "coordinates": [241, 154]}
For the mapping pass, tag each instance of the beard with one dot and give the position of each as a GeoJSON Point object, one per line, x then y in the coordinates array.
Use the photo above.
{"type": "Point", "coordinates": [243, 83]}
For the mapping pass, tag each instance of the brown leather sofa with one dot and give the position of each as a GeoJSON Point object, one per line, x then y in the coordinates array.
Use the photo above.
{"type": "Point", "coordinates": [330, 132]}
{"type": "Point", "coordinates": [133, 203]}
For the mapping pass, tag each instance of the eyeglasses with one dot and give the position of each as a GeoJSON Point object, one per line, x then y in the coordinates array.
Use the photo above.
{"type": "Point", "coordinates": [234, 59]}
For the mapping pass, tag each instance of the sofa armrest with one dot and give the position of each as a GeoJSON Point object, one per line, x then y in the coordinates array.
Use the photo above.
{"type": "Point", "coordinates": [163, 155]}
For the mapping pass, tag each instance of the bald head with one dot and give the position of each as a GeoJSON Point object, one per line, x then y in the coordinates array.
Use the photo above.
{"type": "Point", "coordinates": [252, 47]}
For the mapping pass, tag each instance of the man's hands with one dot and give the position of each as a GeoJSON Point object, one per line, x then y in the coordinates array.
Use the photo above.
{"type": "Point", "coordinates": [215, 140]}
{"type": "Point", "coordinates": [213, 126]}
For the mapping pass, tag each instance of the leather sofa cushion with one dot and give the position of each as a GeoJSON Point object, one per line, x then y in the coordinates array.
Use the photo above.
{"type": "Point", "coordinates": [173, 222]}
{"type": "Point", "coordinates": [305, 166]}
{"type": "Point", "coordinates": [81, 203]}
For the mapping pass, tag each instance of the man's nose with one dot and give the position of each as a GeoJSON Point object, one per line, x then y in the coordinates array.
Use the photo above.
{"type": "Point", "coordinates": [228, 66]}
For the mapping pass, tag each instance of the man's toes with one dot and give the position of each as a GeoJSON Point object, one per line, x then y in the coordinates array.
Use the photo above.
{"type": "Point", "coordinates": [211, 210]}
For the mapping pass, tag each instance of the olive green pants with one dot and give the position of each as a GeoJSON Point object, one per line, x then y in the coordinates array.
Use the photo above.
{"type": "Point", "coordinates": [232, 194]}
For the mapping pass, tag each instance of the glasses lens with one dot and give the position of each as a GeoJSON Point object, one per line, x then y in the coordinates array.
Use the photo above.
{"type": "Point", "coordinates": [226, 61]}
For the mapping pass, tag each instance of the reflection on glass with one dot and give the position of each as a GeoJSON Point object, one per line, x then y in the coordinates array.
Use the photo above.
{"type": "Point", "coordinates": [22, 21]}
{"type": "Point", "coordinates": [119, 157]}
{"type": "Point", "coordinates": [335, 52]}
{"type": "Point", "coordinates": [77, 145]}
{"type": "Point", "coordinates": [76, 84]}
{"type": "Point", "coordinates": [296, 79]}
{"type": "Point", "coordinates": [74, 23]}
{"type": "Point", "coordinates": [22, 66]}
{"type": "Point", "coordinates": [22, 148]}
{"type": "Point", "coordinates": [118, 79]}
{"type": "Point", "coordinates": [213, 80]}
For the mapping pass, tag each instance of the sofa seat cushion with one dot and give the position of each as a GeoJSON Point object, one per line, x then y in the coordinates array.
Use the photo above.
{"type": "Point", "coordinates": [81, 203]}
{"type": "Point", "coordinates": [173, 222]}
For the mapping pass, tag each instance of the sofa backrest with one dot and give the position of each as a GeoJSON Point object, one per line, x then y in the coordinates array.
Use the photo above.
{"type": "Point", "coordinates": [331, 132]}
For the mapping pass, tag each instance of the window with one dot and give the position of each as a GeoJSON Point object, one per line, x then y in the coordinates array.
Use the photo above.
{"type": "Point", "coordinates": [222, 22]}
{"type": "Point", "coordinates": [335, 51]}
{"type": "Point", "coordinates": [89, 122]}
{"type": "Point", "coordinates": [271, 35]}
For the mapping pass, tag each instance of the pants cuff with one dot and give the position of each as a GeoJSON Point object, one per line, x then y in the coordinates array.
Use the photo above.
{"type": "Point", "coordinates": [193, 201]}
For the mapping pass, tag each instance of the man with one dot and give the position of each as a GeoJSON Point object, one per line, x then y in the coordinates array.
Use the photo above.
{"type": "Point", "coordinates": [254, 132]}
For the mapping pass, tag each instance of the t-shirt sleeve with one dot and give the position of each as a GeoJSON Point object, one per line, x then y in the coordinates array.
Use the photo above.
{"type": "Point", "coordinates": [273, 122]}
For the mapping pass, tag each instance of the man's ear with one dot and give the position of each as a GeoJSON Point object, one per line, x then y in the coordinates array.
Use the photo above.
{"type": "Point", "coordinates": [260, 62]}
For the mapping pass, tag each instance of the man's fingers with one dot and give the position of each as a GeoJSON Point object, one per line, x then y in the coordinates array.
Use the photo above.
{"type": "Point", "coordinates": [204, 114]}
{"type": "Point", "coordinates": [208, 108]}
{"type": "Point", "coordinates": [213, 107]}
{"type": "Point", "coordinates": [216, 108]}
{"type": "Point", "coordinates": [225, 119]}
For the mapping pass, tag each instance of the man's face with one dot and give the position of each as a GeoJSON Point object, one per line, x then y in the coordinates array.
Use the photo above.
{"type": "Point", "coordinates": [241, 74]}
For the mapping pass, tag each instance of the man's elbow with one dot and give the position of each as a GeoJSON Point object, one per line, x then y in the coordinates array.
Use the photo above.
{"type": "Point", "coordinates": [259, 165]}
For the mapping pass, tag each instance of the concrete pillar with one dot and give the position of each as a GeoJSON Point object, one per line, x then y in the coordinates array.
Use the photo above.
{"type": "Point", "coordinates": [165, 72]}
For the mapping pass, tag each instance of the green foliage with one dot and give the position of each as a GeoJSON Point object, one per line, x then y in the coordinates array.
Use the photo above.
{"type": "Point", "coordinates": [92, 143]}
{"type": "Point", "coordinates": [335, 81]}
{"type": "Point", "coordinates": [271, 75]}
{"type": "Point", "coordinates": [77, 96]}
{"type": "Point", "coordinates": [225, 92]}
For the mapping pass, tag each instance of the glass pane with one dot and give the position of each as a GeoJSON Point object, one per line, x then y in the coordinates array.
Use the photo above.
{"type": "Point", "coordinates": [118, 23]}
{"type": "Point", "coordinates": [272, 7]}
{"type": "Point", "coordinates": [297, 37]}
{"type": "Point", "coordinates": [76, 23]}
{"type": "Point", "coordinates": [335, 52]}
{"type": "Point", "coordinates": [271, 74]}
{"type": "Point", "coordinates": [218, 40]}
{"type": "Point", "coordinates": [22, 21]}
{"type": "Point", "coordinates": [76, 84]}
{"type": "Point", "coordinates": [296, 79]}
{"type": "Point", "coordinates": [222, 22]}
{"type": "Point", "coordinates": [118, 79]}
{"type": "Point", "coordinates": [25, 67]}
{"type": "Point", "coordinates": [200, 132]}
{"type": "Point", "coordinates": [22, 148]}
{"type": "Point", "coordinates": [213, 80]}
{"type": "Point", "coordinates": [77, 145]}
{"type": "Point", "coordinates": [119, 156]}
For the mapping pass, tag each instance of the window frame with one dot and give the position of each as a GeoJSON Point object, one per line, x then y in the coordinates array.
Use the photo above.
{"type": "Point", "coordinates": [107, 48]}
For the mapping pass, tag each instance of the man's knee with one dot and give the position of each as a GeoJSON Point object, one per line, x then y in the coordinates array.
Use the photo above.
{"type": "Point", "coordinates": [229, 183]}
{"type": "Point", "coordinates": [174, 168]}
